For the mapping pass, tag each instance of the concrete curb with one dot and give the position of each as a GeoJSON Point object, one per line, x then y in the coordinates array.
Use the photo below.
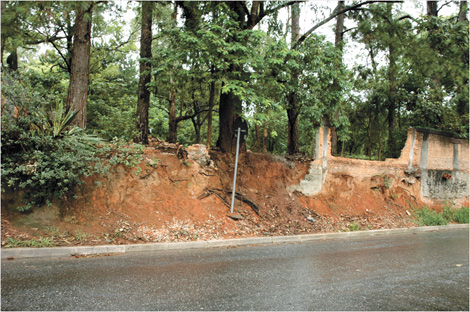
{"type": "Point", "coordinates": [54, 252]}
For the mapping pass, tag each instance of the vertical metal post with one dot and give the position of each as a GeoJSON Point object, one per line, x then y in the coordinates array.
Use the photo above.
{"type": "Point", "coordinates": [235, 173]}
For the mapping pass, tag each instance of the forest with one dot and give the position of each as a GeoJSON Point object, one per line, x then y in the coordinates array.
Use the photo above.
{"type": "Point", "coordinates": [80, 74]}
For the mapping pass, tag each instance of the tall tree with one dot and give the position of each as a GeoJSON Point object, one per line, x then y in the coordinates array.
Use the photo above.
{"type": "Point", "coordinates": [431, 8]}
{"type": "Point", "coordinates": [143, 101]}
{"type": "Point", "coordinates": [463, 11]}
{"type": "Point", "coordinates": [339, 35]}
{"type": "Point", "coordinates": [293, 108]}
{"type": "Point", "coordinates": [80, 62]}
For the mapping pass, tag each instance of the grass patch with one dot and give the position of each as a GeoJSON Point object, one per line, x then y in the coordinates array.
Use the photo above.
{"type": "Point", "coordinates": [353, 226]}
{"type": "Point", "coordinates": [457, 215]}
{"type": "Point", "coordinates": [42, 242]}
{"type": "Point", "coordinates": [428, 217]}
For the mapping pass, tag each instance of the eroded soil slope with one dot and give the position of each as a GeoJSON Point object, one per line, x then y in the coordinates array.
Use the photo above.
{"type": "Point", "coordinates": [170, 198]}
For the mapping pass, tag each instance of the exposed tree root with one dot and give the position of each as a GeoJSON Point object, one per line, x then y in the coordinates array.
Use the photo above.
{"type": "Point", "coordinates": [219, 193]}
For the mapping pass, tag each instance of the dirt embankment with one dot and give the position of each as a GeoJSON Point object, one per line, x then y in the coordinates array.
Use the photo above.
{"type": "Point", "coordinates": [171, 198]}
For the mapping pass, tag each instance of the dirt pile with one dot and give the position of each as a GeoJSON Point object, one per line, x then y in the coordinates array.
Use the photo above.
{"type": "Point", "coordinates": [171, 197]}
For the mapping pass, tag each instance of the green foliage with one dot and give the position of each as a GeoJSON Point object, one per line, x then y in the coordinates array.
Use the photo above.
{"type": "Point", "coordinates": [353, 226]}
{"type": "Point", "coordinates": [428, 217]}
{"type": "Point", "coordinates": [415, 74]}
{"type": "Point", "coordinates": [460, 215]}
{"type": "Point", "coordinates": [112, 100]}
{"type": "Point", "coordinates": [119, 152]}
{"type": "Point", "coordinates": [423, 81]}
{"type": "Point", "coordinates": [42, 156]}
{"type": "Point", "coordinates": [39, 154]}
{"type": "Point", "coordinates": [80, 236]}
{"type": "Point", "coordinates": [41, 242]}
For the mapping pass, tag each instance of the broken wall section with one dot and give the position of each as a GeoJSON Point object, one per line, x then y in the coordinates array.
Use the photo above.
{"type": "Point", "coordinates": [444, 166]}
{"type": "Point", "coordinates": [437, 161]}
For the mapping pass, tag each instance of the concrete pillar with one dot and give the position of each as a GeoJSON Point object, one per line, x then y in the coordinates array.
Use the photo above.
{"type": "Point", "coordinates": [412, 149]}
{"type": "Point", "coordinates": [317, 143]}
{"type": "Point", "coordinates": [424, 151]}
{"type": "Point", "coordinates": [325, 146]}
{"type": "Point", "coordinates": [456, 156]}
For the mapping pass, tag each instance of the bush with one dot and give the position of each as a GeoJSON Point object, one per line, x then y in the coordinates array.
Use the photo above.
{"type": "Point", "coordinates": [461, 215]}
{"type": "Point", "coordinates": [457, 215]}
{"type": "Point", "coordinates": [42, 155]}
{"type": "Point", "coordinates": [427, 217]}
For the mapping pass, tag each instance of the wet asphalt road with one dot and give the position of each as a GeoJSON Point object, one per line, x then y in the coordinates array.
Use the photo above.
{"type": "Point", "coordinates": [424, 271]}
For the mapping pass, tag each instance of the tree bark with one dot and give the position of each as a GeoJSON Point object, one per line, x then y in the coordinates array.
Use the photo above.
{"type": "Point", "coordinates": [3, 6]}
{"type": "Point", "coordinates": [258, 138]}
{"type": "Point", "coordinates": [143, 101]}
{"type": "Point", "coordinates": [172, 123]}
{"type": "Point", "coordinates": [463, 12]}
{"type": "Point", "coordinates": [292, 128]}
{"type": "Point", "coordinates": [392, 90]}
{"type": "Point", "coordinates": [339, 45]}
{"type": "Point", "coordinates": [431, 8]}
{"type": "Point", "coordinates": [12, 61]}
{"type": "Point", "coordinates": [197, 128]}
{"type": "Point", "coordinates": [80, 63]}
{"type": "Point", "coordinates": [209, 117]}
{"type": "Point", "coordinates": [228, 102]}
{"type": "Point", "coordinates": [265, 136]}
{"type": "Point", "coordinates": [339, 25]}
{"type": "Point", "coordinates": [292, 102]}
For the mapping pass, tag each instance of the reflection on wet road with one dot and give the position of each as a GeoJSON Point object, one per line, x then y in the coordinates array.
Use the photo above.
{"type": "Point", "coordinates": [425, 271]}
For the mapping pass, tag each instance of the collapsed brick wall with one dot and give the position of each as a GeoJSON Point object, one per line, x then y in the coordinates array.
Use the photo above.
{"type": "Point", "coordinates": [438, 160]}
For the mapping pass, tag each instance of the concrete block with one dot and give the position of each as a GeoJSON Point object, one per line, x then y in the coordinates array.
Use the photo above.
{"type": "Point", "coordinates": [286, 239]}
{"type": "Point", "coordinates": [146, 247]}
{"type": "Point", "coordinates": [100, 250]}
{"type": "Point", "coordinates": [187, 245]}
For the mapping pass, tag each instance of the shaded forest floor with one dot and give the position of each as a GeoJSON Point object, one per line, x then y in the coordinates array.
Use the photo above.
{"type": "Point", "coordinates": [170, 197]}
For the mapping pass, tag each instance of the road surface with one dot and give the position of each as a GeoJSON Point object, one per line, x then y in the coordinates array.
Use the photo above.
{"type": "Point", "coordinates": [424, 271]}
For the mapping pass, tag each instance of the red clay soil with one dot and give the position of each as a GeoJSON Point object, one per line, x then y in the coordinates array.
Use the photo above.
{"type": "Point", "coordinates": [175, 199]}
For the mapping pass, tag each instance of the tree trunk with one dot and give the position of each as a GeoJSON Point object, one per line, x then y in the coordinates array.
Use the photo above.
{"type": "Point", "coordinates": [12, 61]}
{"type": "Point", "coordinates": [143, 101]}
{"type": "Point", "coordinates": [172, 123]}
{"type": "Point", "coordinates": [339, 26]}
{"type": "Point", "coordinates": [80, 63]}
{"type": "Point", "coordinates": [3, 6]}
{"type": "Point", "coordinates": [462, 102]}
{"type": "Point", "coordinates": [197, 128]}
{"type": "Point", "coordinates": [431, 8]}
{"type": "Point", "coordinates": [265, 135]}
{"type": "Point", "coordinates": [228, 102]}
{"type": "Point", "coordinates": [292, 128]}
{"type": "Point", "coordinates": [209, 117]}
{"type": "Point", "coordinates": [463, 12]}
{"type": "Point", "coordinates": [339, 45]}
{"type": "Point", "coordinates": [292, 103]}
{"type": "Point", "coordinates": [258, 138]}
{"type": "Point", "coordinates": [392, 91]}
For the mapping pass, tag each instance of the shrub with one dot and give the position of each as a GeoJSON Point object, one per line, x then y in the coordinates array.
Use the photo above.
{"type": "Point", "coordinates": [460, 215]}
{"type": "Point", "coordinates": [354, 227]}
{"type": "Point", "coordinates": [42, 155]}
{"type": "Point", "coordinates": [426, 217]}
